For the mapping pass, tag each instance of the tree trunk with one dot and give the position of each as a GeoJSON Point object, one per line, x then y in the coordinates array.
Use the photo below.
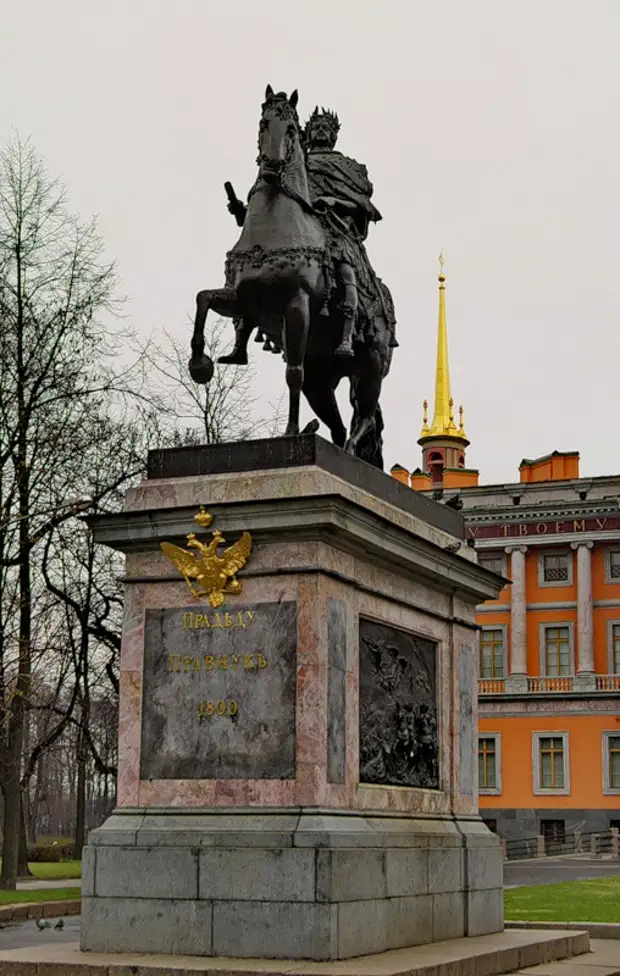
{"type": "Point", "coordinates": [23, 870]}
{"type": "Point", "coordinates": [80, 811]}
{"type": "Point", "coordinates": [20, 697]}
{"type": "Point", "coordinates": [10, 845]}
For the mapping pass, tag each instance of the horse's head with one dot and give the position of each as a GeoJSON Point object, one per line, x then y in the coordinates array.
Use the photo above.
{"type": "Point", "coordinates": [279, 136]}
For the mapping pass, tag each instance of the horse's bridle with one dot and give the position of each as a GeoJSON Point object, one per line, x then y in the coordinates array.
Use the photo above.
{"type": "Point", "coordinates": [280, 179]}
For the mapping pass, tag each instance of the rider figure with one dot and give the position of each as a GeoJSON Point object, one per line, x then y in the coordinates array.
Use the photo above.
{"type": "Point", "coordinates": [340, 191]}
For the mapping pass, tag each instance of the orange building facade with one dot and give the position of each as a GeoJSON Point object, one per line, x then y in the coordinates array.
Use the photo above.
{"type": "Point", "coordinates": [549, 646]}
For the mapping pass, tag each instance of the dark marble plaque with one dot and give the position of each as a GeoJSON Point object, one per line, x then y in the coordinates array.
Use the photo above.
{"type": "Point", "coordinates": [219, 692]}
{"type": "Point", "coordinates": [399, 744]}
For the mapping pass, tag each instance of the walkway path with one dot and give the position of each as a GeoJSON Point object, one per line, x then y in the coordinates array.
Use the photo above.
{"type": "Point", "coordinates": [38, 884]}
{"type": "Point", "coordinates": [550, 870]}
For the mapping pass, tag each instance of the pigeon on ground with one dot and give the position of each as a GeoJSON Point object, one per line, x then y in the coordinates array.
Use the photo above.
{"type": "Point", "coordinates": [60, 924]}
{"type": "Point", "coordinates": [42, 924]}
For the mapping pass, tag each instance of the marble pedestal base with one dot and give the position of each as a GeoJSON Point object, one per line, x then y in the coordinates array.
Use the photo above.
{"type": "Point", "coordinates": [286, 884]}
{"type": "Point", "coordinates": [296, 772]}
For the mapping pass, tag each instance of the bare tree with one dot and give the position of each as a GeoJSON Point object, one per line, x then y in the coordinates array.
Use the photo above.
{"type": "Point", "coordinates": [224, 410]}
{"type": "Point", "coordinates": [84, 578]}
{"type": "Point", "coordinates": [54, 286]}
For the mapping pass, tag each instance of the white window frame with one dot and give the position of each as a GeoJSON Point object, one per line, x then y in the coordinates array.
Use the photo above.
{"type": "Point", "coordinates": [542, 644]}
{"type": "Point", "coordinates": [537, 789]}
{"type": "Point", "coordinates": [610, 645]}
{"type": "Point", "coordinates": [608, 576]}
{"type": "Point", "coordinates": [494, 554]}
{"type": "Point", "coordinates": [608, 789]}
{"type": "Point", "coordinates": [556, 551]}
{"type": "Point", "coordinates": [504, 630]}
{"type": "Point", "coordinates": [497, 789]}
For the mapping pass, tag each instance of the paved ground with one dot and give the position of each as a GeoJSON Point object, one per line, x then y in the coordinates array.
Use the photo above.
{"type": "Point", "coordinates": [553, 869]}
{"type": "Point", "coordinates": [36, 884]}
{"type": "Point", "coordinates": [459, 955]}
{"type": "Point", "coordinates": [22, 935]}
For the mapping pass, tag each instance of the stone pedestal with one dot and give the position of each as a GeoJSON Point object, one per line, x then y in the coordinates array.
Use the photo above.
{"type": "Point", "coordinates": [297, 772]}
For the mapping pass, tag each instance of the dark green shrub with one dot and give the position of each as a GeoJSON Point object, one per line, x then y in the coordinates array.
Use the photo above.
{"type": "Point", "coordinates": [51, 852]}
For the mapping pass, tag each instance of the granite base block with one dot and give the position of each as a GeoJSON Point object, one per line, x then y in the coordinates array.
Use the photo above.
{"type": "Point", "coordinates": [274, 930]}
{"type": "Point", "coordinates": [485, 911]}
{"type": "Point", "coordinates": [416, 881]}
{"type": "Point", "coordinates": [157, 925]}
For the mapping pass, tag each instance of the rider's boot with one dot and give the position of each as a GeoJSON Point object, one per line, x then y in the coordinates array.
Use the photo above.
{"type": "Point", "coordinates": [348, 324]}
{"type": "Point", "coordinates": [239, 354]}
{"type": "Point", "coordinates": [346, 275]}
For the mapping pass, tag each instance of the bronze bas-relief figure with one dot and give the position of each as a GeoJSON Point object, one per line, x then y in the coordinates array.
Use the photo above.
{"type": "Point", "coordinates": [299, 274]}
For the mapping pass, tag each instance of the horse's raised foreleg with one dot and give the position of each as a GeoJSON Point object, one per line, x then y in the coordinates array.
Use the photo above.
{"type": "Point", "coordinates": [224, 302]}
{"type": "Point", "coordinates": [296, 324]}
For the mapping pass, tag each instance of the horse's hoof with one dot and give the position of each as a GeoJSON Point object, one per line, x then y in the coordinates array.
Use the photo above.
{"type": "Point", "coordinates": [201, 370]}
{"type": "Point", "coordinates": [235, 358]}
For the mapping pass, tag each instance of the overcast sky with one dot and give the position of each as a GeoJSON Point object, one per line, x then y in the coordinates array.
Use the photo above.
{"type": "Point", "coordinates": [490, 128]}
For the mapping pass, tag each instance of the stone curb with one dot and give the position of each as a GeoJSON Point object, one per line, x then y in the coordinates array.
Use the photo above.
{"type": "Point", "coordinates": [596, 930]}
{"type": "Point", "coordinates": [39, 909]}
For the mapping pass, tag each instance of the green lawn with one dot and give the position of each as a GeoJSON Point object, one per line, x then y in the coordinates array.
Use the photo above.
{"type": "Point", "coordinates": [575, 901]}
{"type": "Point", "coordinates": [47, 894]}
{"type": "Point", "coordinates": [46, 870]}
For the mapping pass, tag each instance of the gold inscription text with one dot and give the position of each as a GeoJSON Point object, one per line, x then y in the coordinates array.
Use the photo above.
{"type": "Point", "coordinates": [217, 709]}
{"type": "Point", "coordinates": [188, 663]}
{"type": "Point", "coordinates": [219, 620]}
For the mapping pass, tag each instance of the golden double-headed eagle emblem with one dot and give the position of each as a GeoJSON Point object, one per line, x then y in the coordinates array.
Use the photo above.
{"type": "Point", "coordinates": [215, 575]}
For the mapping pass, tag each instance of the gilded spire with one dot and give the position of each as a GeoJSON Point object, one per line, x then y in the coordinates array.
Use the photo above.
{"type": "Point", "coordinates": [443, 424]}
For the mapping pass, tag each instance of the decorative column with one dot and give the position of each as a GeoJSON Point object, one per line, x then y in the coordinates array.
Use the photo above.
{"type": "Point", "coordinates": [517, 679]}
{"type": "Point", "coordinates": [584, 679]}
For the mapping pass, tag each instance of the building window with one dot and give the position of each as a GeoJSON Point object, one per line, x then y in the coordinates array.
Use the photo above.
{"type": "Point", "coordinates": [555, 568]}
{"type": "Point", "coordinates": [612, 566]}
{"type": "Point", "coordinates": [551, 768]}
{"type": "Point", "coordinates": [611, 762]}
{"type": "Point", "coordinates": [492, 652]}
{"type": "Point", "coordinates": [489, 763]}
{"type": "Point", "coordinates": [614, 647]}
{"type": "Point", "coordinates": [557, 652]}
{"type": "Point", "coordinates": [495, 562]}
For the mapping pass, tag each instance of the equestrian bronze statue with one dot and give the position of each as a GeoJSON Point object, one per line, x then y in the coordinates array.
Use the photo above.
{"type": "Point", "coordinates": [300, 276]}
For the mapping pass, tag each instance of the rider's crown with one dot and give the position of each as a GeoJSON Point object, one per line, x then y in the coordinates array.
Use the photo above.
{"type": "Point", "coordinates": [330, 117]}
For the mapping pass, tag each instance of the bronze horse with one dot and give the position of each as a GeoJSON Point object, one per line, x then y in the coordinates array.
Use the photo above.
{"type": "Point", "coordinates": [278, 281]}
